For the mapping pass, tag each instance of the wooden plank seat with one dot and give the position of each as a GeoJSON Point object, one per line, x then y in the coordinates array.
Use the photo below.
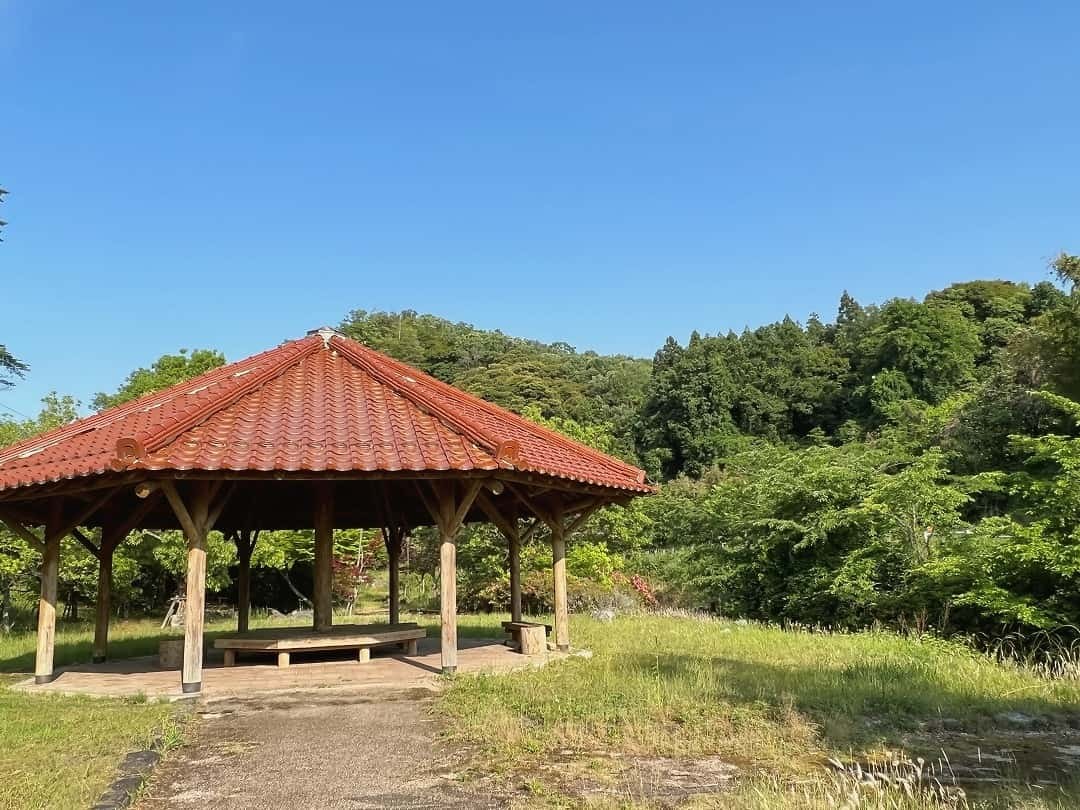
{"type": "Point", "coordinates": [283, 641]}
{"type": "Point", "coordinates": [530, 637]}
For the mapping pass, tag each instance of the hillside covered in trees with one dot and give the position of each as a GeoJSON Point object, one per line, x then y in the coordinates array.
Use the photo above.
{"type": "Point", "coordinates": [906, 462]}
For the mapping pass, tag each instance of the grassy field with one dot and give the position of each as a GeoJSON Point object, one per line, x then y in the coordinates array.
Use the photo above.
{"type": "Point", "coordinates": [662, 702]}
{"type": "Point", "coordinates": [664, 696]}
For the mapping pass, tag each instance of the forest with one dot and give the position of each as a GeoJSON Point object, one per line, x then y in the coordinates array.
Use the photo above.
{"type": "Point", "coordinates": [912, 464]}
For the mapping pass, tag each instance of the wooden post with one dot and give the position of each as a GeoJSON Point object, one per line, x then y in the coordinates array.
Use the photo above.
{"type": "Point", "coordinates": [50, 572]}
{"type": "Point", "coordinates": [324, 558]}
{"type": "Point", "coordinates": [448, 598]}
{"type": "Point", "coordinates": [449, 513]}
{"type": "Point", "coordinates": [395, 536]}
{"type": "Point", "coordinates": [558, 568]}
{"type": "Point", "coordinates": [194, 608]}
{"type": "Point", "coordinates": [112, 535]}
{"type": "Point", "coordinates": [244, 547]}
{"type": "Point", "coordinates": [109, 542]}
{"type": "Point", "coordinates": [515, 573]}
{"type": "Point", "coordinates": [196, 523]}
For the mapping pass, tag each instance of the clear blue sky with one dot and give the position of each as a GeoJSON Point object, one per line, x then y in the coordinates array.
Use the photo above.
{"type": "Point", "coordinates": [229, 175]}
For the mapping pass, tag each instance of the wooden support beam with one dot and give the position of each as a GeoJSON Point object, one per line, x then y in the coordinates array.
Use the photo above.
{"type": "Point", "coordinates": [472, 489]}
{"type": "Point", "coordinates": [508, 525]}
{"type": "Point", "coordinates": [132, 521]}
{"type": "Point", "coordinates": [180, 509]}
{"type": "Point", "coordinates": [449, 511]}
{"type": "Point", "coordinates": [448, 597]}
{"type": "Point", "coordinates": [548, 516]}
{"type": "Point", "coordinates": [86, 543]}
{"type": "Point", "coordinates": [431, 504]}
{"type": "Point", "coordinates": [86, 513]}
{"type": "Point", "coordinates": [580, 519]}
{"type": "Point", "coordinates": [504, 524]}
{"type": "Point", "coordinates": [50, 570]}
{"type": "Point", "coordinates": [514, 552]}
{"type": "Point", "coordinates": [323, 607]}
{"type": "Point", "coordinates": [193, 516]}
{"type": "Point", "coordinates": [245, 545]}
{"type": "Point", "coordinates": [530, 530]}
{"type": "Point", "coordinates": [19, 529]}
{"type": "Point", "coordinates": [222, 499]}
{"type": "Point", "coordinates": [558, 570]}
{"type": "Point", "coordinates": [394, 536]}
{"type": "Point", "coordinates": [111, 537]}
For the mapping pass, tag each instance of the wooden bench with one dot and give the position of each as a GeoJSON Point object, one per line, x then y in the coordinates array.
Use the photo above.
{"type": "Point", "coordinates": [530, 637]}
{"type": "Point", "coordinates": [283, 641]}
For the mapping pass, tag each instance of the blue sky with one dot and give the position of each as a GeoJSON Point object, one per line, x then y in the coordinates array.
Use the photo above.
{"type": "Point", "coordinates": [229, 175]}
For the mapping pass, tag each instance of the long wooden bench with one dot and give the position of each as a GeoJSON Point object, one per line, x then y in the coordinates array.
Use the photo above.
{"type": "Point", "coordinates": [283, 641]}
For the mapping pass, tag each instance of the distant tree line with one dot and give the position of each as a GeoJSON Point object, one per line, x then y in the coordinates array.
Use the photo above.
{"type": "Point", "coordinates": [907, 463]}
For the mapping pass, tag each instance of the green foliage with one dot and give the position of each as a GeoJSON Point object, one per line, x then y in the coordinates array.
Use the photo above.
{"type": "Point", "coordinates": [167, 370]}
{"type": "Point", "coordinates": [10, 366]}
{"type": "Point", "coordinates": [933, 347]}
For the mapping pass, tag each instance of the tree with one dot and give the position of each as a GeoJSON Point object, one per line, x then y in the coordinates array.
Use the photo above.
{"type": "Point", "coordinates": [1056, 336]}
{"type": "Point", "coordinates": [167, 370]}
{"type": "Point", "coordinates": [10, 366]}
{"type": "Point", "coordinates": [934, 346]}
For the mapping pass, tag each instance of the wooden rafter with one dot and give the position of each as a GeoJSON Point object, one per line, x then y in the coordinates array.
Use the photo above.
{"type": "Point", "coordinates": [115, 534]}
{"type": "Point", "coordinates": [180, 509]}
{"type": "Point", "coordinates": [466, 504]}
{"type": "Point", "coordinates": [86, 543]}
{"type": "Point", "coordinates": [431, 505]}
{"type": "Point", "coordinates": [219, 506]}
{"type": "Point", "coordinates": [88, 512]}
{"type": "Point", "coordinates": [506, 525]}
{"type": "Point", "coordinates": [18, 528]}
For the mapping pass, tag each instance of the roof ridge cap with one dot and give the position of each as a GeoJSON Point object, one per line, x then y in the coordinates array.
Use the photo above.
{"type": "Point", "coordinates": [108, 416]}
{"type": "Point", "coordinates": [133, 449]}
{"type": "Point", "coordinates": [356, 352]}
{"type": "Point", "coordinates": [566, 441]}
{"type": "Point", "coordinates": [545, 432]}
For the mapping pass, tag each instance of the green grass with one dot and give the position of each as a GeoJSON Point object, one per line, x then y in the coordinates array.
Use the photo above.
{"type": "Point", "coordinates": [774, 702]}
{"type": "Point", "coordinates": [60, 752]}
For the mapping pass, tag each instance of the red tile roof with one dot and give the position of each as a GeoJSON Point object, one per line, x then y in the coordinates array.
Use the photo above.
{"type": "Point", "coordinates": [322, 403]}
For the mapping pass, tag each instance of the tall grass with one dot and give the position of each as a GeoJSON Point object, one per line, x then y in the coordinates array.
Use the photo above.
{"type": "Point", "coordinates": [772, 701]}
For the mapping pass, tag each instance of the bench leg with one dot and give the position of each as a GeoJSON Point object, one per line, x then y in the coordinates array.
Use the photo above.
{"type": "Point", "coordinates": [230, 658]}
{"type": "Point", "coordinates": [411, 647]}
{"type": "Point", "coordinates": [282, 659]}
{"type": "Point", "coordinates": [364, 655]}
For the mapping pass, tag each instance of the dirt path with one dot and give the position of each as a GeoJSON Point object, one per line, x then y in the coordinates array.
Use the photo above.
{"type": "Point", "coordinates": [314, 751]}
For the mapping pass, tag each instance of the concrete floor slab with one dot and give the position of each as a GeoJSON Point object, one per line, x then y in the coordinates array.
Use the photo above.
{"type": "Point", "coordinates": [258, 674]}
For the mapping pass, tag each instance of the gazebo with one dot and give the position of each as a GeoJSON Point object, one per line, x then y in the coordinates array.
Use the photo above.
{"type": "Point", "coordinates": [319, 432]}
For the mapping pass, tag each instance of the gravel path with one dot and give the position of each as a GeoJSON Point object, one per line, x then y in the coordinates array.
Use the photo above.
{"type": "Point", "coordinates": [314, 751]}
